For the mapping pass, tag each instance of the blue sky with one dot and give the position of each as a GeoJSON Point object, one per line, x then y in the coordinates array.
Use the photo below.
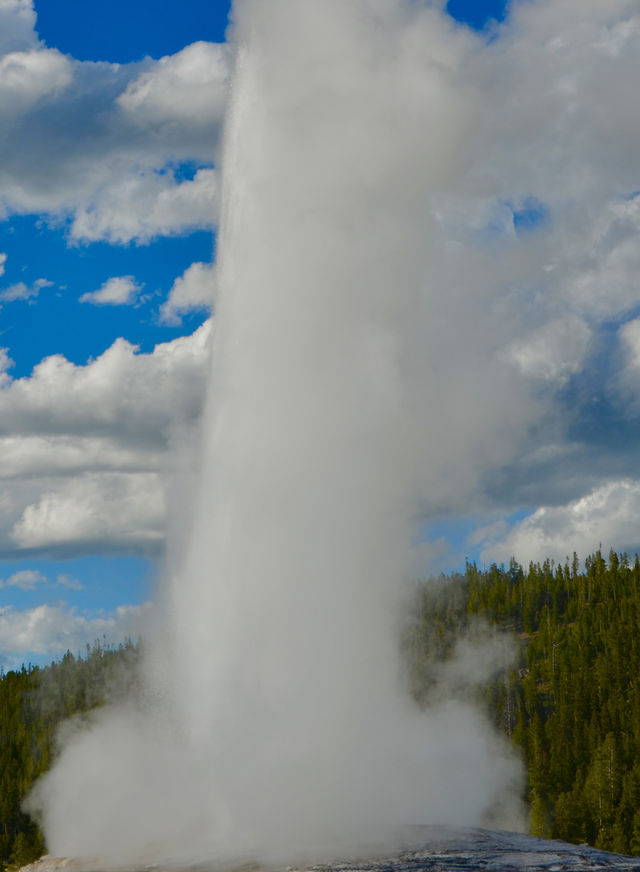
{"type": "Point", "coordinates": [108, 197]}
{"type": "Point", "coordinates": [92, 32]}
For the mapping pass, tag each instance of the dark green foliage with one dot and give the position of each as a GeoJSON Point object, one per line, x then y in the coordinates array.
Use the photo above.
{"type": "Point", "coordinates": [571, 700]}
{"type": "Point", "coordinates": [33, 702]}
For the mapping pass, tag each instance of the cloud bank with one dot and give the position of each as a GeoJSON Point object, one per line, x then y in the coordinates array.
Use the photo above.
{"type": "Point", "coordinates": [97, 145]}
{"type": "Point", "coordinates": [541, 221]}
{"type": "Point", "coordinates": [85, 455]}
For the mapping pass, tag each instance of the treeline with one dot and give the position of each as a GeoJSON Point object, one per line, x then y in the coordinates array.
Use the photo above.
{"type": "Point", "coordinates": [567, 693]}
{"type": "Point", "coordinates": [571, 697]}
{"type": "Point", "coordinates": [33, 702]}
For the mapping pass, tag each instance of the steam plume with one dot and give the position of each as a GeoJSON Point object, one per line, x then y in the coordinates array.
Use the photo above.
{"type": "Point", "coordinates": [277, 722]}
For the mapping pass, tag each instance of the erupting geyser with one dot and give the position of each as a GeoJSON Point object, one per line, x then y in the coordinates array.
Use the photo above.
{"type": "Point", "coordinates": [276, 722]}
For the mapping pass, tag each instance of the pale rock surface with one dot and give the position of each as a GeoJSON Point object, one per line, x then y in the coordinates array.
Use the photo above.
{"type": "Point", "coordinates": [434, 849]}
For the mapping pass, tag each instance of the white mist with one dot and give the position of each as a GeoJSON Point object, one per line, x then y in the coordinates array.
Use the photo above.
{"type": "Point", "coordinates": [277, 724]}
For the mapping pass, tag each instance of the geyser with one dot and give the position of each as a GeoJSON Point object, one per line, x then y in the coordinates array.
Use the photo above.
{"type": "Point", "coordinates": [276, 723]}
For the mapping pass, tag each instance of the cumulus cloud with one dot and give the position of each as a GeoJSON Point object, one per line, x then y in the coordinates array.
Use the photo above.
{"type": "Point", "coordinates": [534, 129]}
{"type": "Point", "coordinates": [555, 351]}
{"type": "Point", "coordinates": [29, 579]}
{"type": "Point", "coordinates": [116, 291]}
{"type": "Point", "coordinates": [22, 291]}
{"type": "Point", "coordinates": [25, 579]}
{"type": "Point", "coordinates": [28, 76]}
{"type": "Point", "coordinates": [625, 388]}
{"type": "Point", "coordinates": [5, 365]}
{"type": "Point", "coordinates": [543, 134]}
{"type": "Point", "coordinates": [17, 25]}
{"type": "Point", "coordinates": [115, 177]}
{"type": "Point", "coordinates": [98, 143]}
{"type": "Point", "coordinates": [84, 450]}
{"type": "Point", "coordinates": [606, 516]}
{"type": "Point", "coordinates": [192, 291]}
{"type": "Point", "coordinates": [142, 205]}
{"type": "Point", "coordinates": [577, 64]}
{"type": "Point", "coordinates": [123, 394]}
{"type": "Point", "coordinates": [94, 510]}
{"type": "Point", "coordinates": [554, 130]}
{"type": "Point", "coordinates": [50, 629]}
{"type": "Point", "coordinates": [602, 253]}
{"type": "Point", "coordinates": [189, 87]}
{"type": "Point", "coordinates": [69, 582]}
{"type": "Point", "coordinates": [71, 453]}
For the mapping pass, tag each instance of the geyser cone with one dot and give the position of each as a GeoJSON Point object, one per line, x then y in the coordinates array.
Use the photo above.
{"type": "Point", "coordinates": [283, 725]}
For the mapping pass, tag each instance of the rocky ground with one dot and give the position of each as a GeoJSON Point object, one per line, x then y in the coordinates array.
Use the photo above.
{"type": "Point", "coordinates": [433, 850]}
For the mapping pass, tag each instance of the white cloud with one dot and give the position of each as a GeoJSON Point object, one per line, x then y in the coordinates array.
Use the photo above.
{"type": "Point", "coordinates": [192, 291]}
{"type": "Point", "coordinates": [3, 260]}
{"type": "Point", "coordinates": [578, 55]}
{"type": "Point", "coordinates": [84, 450]}
{"type": "Point", "coordinates": [25, 579]}
{"type": "Point", "coordinates": [5, 365]}
{"type": "Point", "coordinates": [116, 291]}
{"type": "Point", "coordinates": [608, 515]}
{"type": "Point", "coordinates": [71, 453]}
{"type": "Point", "coordinates": [28, 579]}
{"type": "Point", "coordinates": [528, 116]}
{"type": "Point", "coordinates": [17, 23]}
{"type": "Point", "coordinates": [625, 388]}
{"type": "Point", "coordinates": [28, 76]}
{"type": "Point", "coordinates": [18, 20]}
{"type": "Point", "coordinates": [543, 130]}
{"type": "Point", "coordinates": [53, 629]}
{"type": "Point", "coordinates": [553, 352]}
{"type": "Point", "coordinates": [142, 205]}
{"type": "Point", "coordinates": [600, 263]}
{"type": "Point", "coordinates": [190, 86]}
{"type": "Point", "coordinates": [94, 510]}
{"type": "Point", "coordinates": [98, 142]}
{"type": "Point", "coordinates": [123, 394]}
{"type": "Point", "coordinates": [69, 582]}
{"type": "Point", "coordinates": [22, 291]}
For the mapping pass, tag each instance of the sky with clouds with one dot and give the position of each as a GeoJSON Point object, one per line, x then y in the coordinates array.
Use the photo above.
{"type": "Point", "coordinates": [109, 197]}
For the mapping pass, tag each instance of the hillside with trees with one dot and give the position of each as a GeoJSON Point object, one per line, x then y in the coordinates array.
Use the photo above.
{"type": "Point", "coordinates": [571, 699]}
{"type": "Point", "coordinates": [568, 696]}
{"type": "Point", "coordinates": [33, 703]}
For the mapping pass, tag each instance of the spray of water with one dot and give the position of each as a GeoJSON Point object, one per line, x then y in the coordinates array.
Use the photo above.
{"type": "Point", "coordinates": [277, 722]}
